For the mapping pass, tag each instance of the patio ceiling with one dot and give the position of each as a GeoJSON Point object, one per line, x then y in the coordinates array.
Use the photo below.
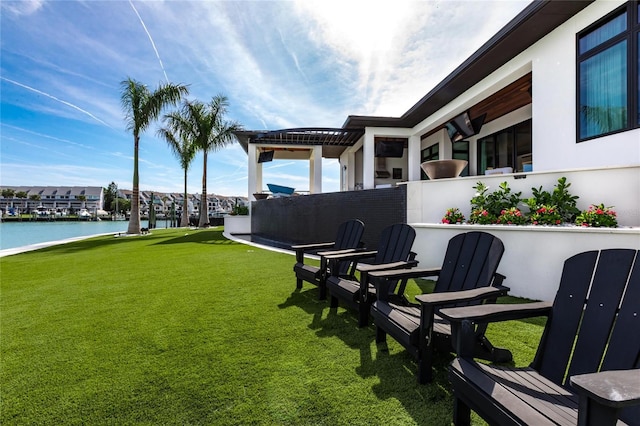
{"type": "Point", "coordinates": [512, 97]}
{"type": "Point", "coordinates": [333, 140]}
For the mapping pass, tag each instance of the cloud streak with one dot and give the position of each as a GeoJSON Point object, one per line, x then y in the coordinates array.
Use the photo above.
{"type": "Point", "coordinates": [153, 44]}
{"type": "Point", "coordinates": [69, 104]}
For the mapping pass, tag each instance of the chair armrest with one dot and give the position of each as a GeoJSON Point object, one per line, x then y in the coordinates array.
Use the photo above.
{"type": "Point", "coordinates": [354, 255]}
{"type": "Point", "coordinates": [399, 274]}
{"type": "Point", "coordinates": [464, 320]}
{"type": "Point", "coordinates": [336, 252]}
{"type": "Point", "coordinates": [616, 389]}
{"type": "Point", "coordinates": [300, 249]}
{"type": "Point", "coordinates": [370, 268]}
{"type": "Point", "coordinates": [313, 246]}
{"type": "Point", "coordinates": [445, 298]}
{"type": "Point", "coordinates": [496, 312]}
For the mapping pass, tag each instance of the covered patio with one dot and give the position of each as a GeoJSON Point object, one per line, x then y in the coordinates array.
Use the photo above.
{"type": "Point", "coordinates": [311, 144]}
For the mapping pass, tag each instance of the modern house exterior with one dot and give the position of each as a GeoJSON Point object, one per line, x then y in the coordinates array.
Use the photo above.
{"type": "Point", "coordinates": [555, 93]}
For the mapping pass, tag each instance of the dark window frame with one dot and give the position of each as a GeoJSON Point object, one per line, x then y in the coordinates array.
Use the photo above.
{"type": "Point", "coordinates": [632, 36]}
{"type": "Point", "coordinates": [512, 132]}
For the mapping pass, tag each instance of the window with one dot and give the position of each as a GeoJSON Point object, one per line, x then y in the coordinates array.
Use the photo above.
{"type": "Point", "coordinates": [510, 147]}
{"type": "Point", "coordinates": [429, 153]}
{"type": "Point", "coordinates": [461, 152]}
{"type": "Point", "coordinates": [608, 77]}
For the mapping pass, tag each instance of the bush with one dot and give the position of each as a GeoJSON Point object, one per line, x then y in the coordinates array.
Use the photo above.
{"type": "Point", "coordinates": [597, 216]}
{"type": "Point", "coordinates": [487, 207]}
{"type": "Point", "coordinates": [453, 215]}
{"type": "Point", "coordinates": [512, 216]}
{"type": "Point", "coordinates": [560, 200]}
{"type": "Point", "coordinates": [545, 215]}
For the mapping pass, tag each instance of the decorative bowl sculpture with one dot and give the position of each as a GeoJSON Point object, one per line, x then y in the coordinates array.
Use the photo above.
{"type": "Point", "coordinates": [440, 169]}
{"type": "Point", "coordinates": [260, 195]}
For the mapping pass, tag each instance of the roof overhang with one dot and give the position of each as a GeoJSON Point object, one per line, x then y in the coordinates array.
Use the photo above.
{"type": "Point", "coordinates": [333, 141]}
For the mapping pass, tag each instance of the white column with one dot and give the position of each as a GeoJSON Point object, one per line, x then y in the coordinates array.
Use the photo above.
{"type": "Point", "coordinates": [413, 166]}
{"type": "Point", "coordinates": [252, 181]}
{"type": "Point", "coordinates": [315, 170]}
{"type": "Point", "coordinates": [368, 160]}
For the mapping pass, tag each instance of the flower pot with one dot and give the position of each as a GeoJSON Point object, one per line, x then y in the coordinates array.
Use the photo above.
{"type": "Point", "coordinates": [441, 169]}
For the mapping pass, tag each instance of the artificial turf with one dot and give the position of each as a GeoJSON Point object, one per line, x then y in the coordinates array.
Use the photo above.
{"type": "Point", "coordinates": [187, 327]}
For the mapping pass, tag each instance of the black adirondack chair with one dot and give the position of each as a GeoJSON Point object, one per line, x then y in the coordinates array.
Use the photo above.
{"type": "Point", "coordinates": [394, 251]}
{"type": "Point", "coordinates": [348, 239]}
{"type": "Point", "coordinates": [585, 370]}
{"type": "Point", "coordinates": [467, 276]}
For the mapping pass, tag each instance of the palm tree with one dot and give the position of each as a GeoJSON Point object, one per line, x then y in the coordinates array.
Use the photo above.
{"type": "Point", "coordinates": [217, 133]}
{"type": "Point", "coordinates": [141, 107]}
{"type": "Point", "coordinates": [8, 193]}
{"type": "Point", "coordinates": [205, 126]}
{"type": "Point", "coordinates": [178, 135]}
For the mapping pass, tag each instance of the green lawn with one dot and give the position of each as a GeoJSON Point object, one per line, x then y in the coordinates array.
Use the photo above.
{"type": "Point", "coordinates": [186, 327]}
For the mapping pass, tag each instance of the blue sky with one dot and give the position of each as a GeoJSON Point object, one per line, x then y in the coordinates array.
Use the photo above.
{"type": "Point", "coordinates": [280, 63]}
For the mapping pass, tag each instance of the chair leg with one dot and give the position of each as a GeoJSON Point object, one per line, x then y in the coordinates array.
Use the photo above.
{"type": "Point", "coordinates": [298, 283]}
{"type": "Point", "coordinates": [334, 302]}
{"type": "Point", "coordinates": [425, 364]}
{"type": "Point", "coordinates": [322, 293]}
{"type": "Point", "coordinates": [381, 335]}
{"type": "Point", "coordinates": [363, 315]}
{"type": "Point", "coordinates": [461, 413]}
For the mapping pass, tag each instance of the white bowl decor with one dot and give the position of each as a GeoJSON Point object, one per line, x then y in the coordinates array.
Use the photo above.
{"type": "Point", "coordinates": [440, 169]}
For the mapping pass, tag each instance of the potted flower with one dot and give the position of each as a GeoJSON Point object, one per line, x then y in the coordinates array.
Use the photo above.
{"type": "Point", "coordinates": [453, 215]}
{"type": "Point", "coordinates": [545, 215]}
{"type": "Point", "coordinates": [597, 216]}
{"type": "Point", "coordinates": [511, 216]}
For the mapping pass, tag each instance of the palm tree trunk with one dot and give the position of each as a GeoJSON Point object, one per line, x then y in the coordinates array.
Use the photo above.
{"type": "Point", "coordinates": [184, 222]}
{"type": "Point", "coordinates": [204, 207]}
{"type": "Point", "coordinates": [134, 219]}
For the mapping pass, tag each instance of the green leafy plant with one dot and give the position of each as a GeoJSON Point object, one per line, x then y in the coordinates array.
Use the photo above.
{"type": "Point", "coordinates": [561, 199]}
{"type": "Point", "coordinates": [512, 216]}
{"type": "Point", "coordinates": [545, 215]}
{"type": "Point", "coordinates": [598, 216]}
{"type": "Point", "coordinates": [482, 217]}
{"type": "Point", "coordinates": [240, 210]}
{"type": "Point", "coordinates": [486, 206]}
{"type": "Point", "coordinates": [453, 215]}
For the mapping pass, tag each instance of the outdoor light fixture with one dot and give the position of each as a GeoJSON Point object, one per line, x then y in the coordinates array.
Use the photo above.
{"type": "Point", "coordinates": [265, 156]}
{"type": "Point", "coordinates": [463, 127]}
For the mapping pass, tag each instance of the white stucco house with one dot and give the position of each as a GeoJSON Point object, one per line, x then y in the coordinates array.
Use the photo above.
{"type": "Point", "coordinates": [555, 93]}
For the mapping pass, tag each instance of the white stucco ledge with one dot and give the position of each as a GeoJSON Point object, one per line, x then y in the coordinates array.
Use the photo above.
{"type": "Point", "coordinates": [240, 224]}
{"type": "Point", "coordinates": [534, 255]}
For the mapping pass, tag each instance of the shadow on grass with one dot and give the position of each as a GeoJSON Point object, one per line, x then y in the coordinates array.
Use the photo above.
{"type": "Point", "coordinates": [396, 372]}
{"type": "Point", "coordinates": [202, 236]}
{"type": "Point", "coordinates": [95, 243]}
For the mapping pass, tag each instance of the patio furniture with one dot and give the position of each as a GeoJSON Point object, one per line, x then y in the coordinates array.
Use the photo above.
{"type": "Point", "coordinates": [348, 239]}
{"type": "Point", "coordinates": [591, 331]}
{"type": "Point", "coordinates": [467, 277]}
{"type": "Point", "coordinates": [394, 251]}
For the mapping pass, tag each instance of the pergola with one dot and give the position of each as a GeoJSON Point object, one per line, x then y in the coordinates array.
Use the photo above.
{"type": "Point", "coordinates": [309, 143]}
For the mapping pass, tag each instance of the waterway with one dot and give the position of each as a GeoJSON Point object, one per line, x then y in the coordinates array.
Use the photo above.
{"type": "Point", "coordinates": [19, 234]}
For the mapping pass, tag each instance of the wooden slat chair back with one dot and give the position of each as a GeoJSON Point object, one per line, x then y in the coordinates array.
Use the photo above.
{"type": "Point", "coordinates": [471, 261]}
{"type": "Point", "coordinates": [393, 251]}
{"type": "Point", "coordinates": [593, 326]}
{"type": "Point", "coordinates": [395, 244]}
{"type": "Point", "coordinates": [586, 313]}
{"type": "Point", "coordinates": [348, 237]}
